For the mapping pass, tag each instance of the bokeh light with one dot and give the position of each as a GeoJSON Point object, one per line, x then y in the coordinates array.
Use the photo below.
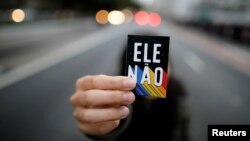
{"type": "Point", "coordinates": [102, 17]}
{"type": "Point", "coordinates": [18, 15]}
{"type": "Point", "coordinates": [154, 19]}
{"type": "Point", "coordinates": [141, 17]}
{"type": "Point", "coordinates": [128, 15]}
{"type": "Point", "coordinates": [116, 17]}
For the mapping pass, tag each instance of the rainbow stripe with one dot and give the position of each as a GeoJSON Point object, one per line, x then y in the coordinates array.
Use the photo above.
{"type": "Point", "coordinates": [146, 89]}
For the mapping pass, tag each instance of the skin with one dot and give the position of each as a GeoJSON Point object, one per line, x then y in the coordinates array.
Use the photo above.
{"type": "Point", "coordinates": [100, 102]}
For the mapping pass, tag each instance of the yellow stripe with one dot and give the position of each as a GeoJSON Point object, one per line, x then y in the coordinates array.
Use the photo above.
{"type": "Point", "coordinates": [158, 91]}
{"type": "Point", "coordinates": [152, 75]}
{"type": "Point", "coordinates": [155, 90]}
{"type": "Point", "coordinates": [146, 86]}
{"type": "Point", "coordinates": [152, 89]}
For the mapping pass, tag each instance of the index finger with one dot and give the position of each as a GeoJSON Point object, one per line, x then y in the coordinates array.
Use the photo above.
{"type": "Point", "coordinates": [105, 82]}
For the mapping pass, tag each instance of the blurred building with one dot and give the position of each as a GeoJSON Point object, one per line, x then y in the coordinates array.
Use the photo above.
{"type": "Point", "coordinates": [228, 17]}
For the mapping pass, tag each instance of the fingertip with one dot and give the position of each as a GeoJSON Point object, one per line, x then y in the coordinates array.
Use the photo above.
{"type": "Point", "coordinates": [129, 84]}
{"type": "Point", "coordinates": [129, 98]}
{"type": "Point", "coordinates": [132, 98]}
{"type": "Point", "coordinates": [124, 112]}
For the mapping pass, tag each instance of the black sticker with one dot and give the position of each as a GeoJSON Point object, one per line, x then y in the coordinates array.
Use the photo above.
{"type": "Point", "coordinates": [147, 64]}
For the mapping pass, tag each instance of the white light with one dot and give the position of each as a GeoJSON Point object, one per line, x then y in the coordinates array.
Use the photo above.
{"type": "Point", "coordinates": [128, 15]}
{"type": "Point", "coordinates": [116, 17]}
{"type": "Point", "coordinates": [18, 15]}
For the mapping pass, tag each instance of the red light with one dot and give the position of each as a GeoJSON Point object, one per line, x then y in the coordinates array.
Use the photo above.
{"type": "Point", "coordinates": [141, 17]}
{"type": "Point", "coordinates": [154, 19]}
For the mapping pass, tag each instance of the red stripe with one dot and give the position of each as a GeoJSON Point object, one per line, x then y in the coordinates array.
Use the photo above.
{"type": "Point", "coordinates": [165, 80]}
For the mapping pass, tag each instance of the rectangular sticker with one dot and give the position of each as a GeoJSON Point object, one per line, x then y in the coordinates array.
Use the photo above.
{"type": "Point", "coordinates": [147, 64]}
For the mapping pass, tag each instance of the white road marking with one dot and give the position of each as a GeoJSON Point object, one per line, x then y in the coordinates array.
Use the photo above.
{"type": "Point", "coordinates": [194, 62]}
{"type": "Point", "coordinates": [68, 51]}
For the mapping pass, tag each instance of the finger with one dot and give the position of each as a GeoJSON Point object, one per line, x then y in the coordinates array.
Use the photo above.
{"type": "Point", "coordinates": [100, 115]}
{"type": "Point", "coordinates": [105, 82]}
{"type": "Point", "coordinates": [103, 97]}
{"type": "Point", "coordinates": [98, 128]}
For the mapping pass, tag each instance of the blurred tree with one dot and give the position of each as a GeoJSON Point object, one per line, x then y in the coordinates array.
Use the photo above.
{"type": "Point", "coordinates": [10, 4]}
{"type": "Point", "coordinates": [79, 5]}
{"type": "Point", "coordinates": [95, 5]}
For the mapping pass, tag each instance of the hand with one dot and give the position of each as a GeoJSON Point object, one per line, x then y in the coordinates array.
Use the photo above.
{"type": "Point", "coordinates": [100, 102]}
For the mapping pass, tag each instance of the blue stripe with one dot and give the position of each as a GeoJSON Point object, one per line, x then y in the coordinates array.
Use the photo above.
{"type": "Point", "coordinates": [143, 90]}
{"type": "Point", "coordinates": [139, 89]}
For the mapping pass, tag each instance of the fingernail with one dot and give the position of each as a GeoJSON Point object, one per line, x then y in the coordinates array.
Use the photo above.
{"type": "Point", "coordinates": [124, 112]}
{"type": "Point", "coordinates": [128, 97]}
{"type": "Point", "coordinates": [129, 83]}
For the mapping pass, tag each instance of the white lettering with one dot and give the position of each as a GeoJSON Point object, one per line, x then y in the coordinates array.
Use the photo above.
{"type": "Point", "coordinates": [145, 75]}
{"type": "Point", "coordinates": [136, 52]}
{"type": "Point", "coordinates": [244, 133]}
{"type": "Point", "coordinates": [155, 53]}
{"type": "Point", "coordinates": [160, 76]}
{"type": "Point", "coordinates": [145, 59]}
{"type": "Point", "coordinates": [215, 132]}
{"type": "Point", "coordinates": [132, 74]}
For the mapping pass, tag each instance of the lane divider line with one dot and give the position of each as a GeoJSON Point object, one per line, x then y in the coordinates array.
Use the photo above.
{"type": "Point", "coordinates": [70, 50]}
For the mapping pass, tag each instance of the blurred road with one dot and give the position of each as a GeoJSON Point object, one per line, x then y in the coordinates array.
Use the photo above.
{"type": "Point", "coordinates": [22, 43]}
{"type": "Point", "coordinates": [35, 106]}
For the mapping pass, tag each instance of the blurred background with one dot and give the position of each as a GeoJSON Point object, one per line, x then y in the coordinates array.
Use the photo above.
{"type": "Point", "coordinates": [46, 45]}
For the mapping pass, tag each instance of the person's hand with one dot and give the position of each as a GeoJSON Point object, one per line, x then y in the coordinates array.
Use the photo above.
{"type": "Point", "coordinates": [100, 102]}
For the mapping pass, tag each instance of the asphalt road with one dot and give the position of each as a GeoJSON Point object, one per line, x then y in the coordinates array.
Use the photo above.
{"type": "Point", "coordinates": [37, 108]}
{"type": "Point", "coordinates": [22, 43]}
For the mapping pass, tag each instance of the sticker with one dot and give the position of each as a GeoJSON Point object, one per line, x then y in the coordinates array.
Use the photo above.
{"type": "Point", "coordinates": [147, 64]}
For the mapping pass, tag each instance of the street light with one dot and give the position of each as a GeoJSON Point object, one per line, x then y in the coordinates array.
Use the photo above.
{"type": "Point", "coordinates": [18, 15]}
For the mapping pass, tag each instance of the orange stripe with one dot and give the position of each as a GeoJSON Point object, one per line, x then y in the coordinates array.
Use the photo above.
{"type": "Point", "coordinates": [162, 90]}
{"type": "Point", "coordinates": [145, 85]}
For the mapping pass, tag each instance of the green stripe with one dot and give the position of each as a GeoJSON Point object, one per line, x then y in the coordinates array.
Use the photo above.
{"type": "Point", "coordinates": [153, 89]}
